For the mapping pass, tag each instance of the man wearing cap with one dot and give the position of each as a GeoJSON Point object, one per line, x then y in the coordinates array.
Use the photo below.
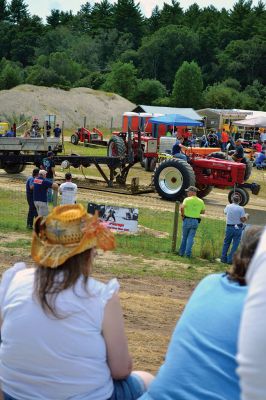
{"type": "Point", "coordinates": [32, 213]}
{"type": "Point", "coordinates": [68, 190]}
{"type": "Point", "coordinates": [190, 210]}
{"type": "Point", "coordinates": [40, 188]}
{"type": "Point", "coordinates": [239, 151]}
{"type": "Point", "coordinates": [235, 218]}
{"type": "Point", "coordinates": [49, 165]}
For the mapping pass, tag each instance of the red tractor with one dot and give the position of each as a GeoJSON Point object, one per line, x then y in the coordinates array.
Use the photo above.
{"type": "Point", "coordinates": [83, 135]}
{"type": "Point", "coordinates": [173, 175]}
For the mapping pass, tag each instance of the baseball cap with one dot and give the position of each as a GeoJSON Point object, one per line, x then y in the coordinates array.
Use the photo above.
{"type": "Point", "coordinates": [192, 189]}
{"type": "Point", "coordinates": [50, 154]}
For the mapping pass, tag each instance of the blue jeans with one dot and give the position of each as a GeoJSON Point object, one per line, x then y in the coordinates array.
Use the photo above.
{"type": "Point", "coordinates": [130, 388]}
{"type": "Point", "coordinates": [180, 155]}
{"type": "Point", "coordinates": [232, 235]}
{"type": "Point", "coordinates": [50, 192]}
{"type": "Point", "coordinates": [190, 226]}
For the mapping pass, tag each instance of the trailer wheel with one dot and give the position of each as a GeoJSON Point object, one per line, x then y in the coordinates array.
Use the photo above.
{"type": "Point", "coordinates": [241, 193]}
{"type": "Point", "coordinates": [14, 168]}
{"type": "Point", "coordinates": [74, 139]}
{"type": "Point", "coordinates": [204, 190]}
{"type": "Point", "coordinates": [116, 147]}
{"type": "Point", "coordinates": [172, 177]}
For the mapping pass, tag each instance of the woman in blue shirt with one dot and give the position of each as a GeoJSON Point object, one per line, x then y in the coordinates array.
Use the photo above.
{"type": "Point", "coordinates": [200, 362]}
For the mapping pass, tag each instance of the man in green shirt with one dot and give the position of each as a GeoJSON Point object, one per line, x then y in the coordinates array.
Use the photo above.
{"type": "Point", "coordinates": [191, 209]}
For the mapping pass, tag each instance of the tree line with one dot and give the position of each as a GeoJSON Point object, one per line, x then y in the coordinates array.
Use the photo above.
{"type": "Point", "coordinates": [198, 57]}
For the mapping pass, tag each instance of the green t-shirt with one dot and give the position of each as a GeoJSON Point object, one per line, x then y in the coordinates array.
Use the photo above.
{"type": "Point", "coordinates": [193, 207]}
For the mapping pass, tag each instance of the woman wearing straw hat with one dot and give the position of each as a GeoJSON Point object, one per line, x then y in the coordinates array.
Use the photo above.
{"type": "Point", "coordinates": [62, 331]}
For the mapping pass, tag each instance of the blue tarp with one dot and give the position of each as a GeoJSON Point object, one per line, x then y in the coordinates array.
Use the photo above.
{"type": "Point", "coordinates": [176, 120]}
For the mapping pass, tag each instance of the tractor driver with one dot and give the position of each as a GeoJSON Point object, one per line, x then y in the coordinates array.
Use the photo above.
{"type": "Point", "coordinates": [177, 149]}
{"type": "Point", "coordinates": [238, 155]}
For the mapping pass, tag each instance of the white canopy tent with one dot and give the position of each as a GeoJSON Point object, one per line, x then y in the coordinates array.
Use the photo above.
{"type": "Point", "coordinates": [255, 122]}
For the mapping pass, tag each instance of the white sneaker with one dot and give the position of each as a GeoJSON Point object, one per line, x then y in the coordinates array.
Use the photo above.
{"type": "Point", "coordinates": [218, 260]}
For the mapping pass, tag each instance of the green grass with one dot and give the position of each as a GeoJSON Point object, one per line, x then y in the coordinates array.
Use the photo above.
{"type": "Point", "coordinates": [146, 243]}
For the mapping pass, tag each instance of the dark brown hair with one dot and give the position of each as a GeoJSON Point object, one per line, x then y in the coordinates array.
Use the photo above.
{"type": "Point", "coordinates": [244, 254]}
{"type": "Point", "coordinates": [49, 282]}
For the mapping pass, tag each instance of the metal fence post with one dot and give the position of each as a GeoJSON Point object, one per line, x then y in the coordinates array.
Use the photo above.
{"type": "Point", "coordinates": [175, 227]}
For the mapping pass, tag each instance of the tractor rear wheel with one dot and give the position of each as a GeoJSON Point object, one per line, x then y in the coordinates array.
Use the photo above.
{"type": "Point", "coordinates": [204, 190]}
{"type": "Point", "coordinates": [116, 147]}
{"type": "Point", "coordinates": [74, 139]}
{"type": "Point", "coordinates": [172, 177]}
{"type": "Point", "coordinates": [241, 193]}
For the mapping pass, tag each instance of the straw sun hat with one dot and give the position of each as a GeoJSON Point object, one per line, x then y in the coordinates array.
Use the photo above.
{"type": "Point", "coordinates": [68, 230]}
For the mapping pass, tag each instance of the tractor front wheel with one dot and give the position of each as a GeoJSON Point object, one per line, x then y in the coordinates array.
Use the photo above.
{"type": "Point", "coordinates": [116, 147]}
{"type": "Point", "coordinates": [172, 177]}
{"type": "Point", "coordinates": [241, 193]}
{"type": "Point", "coordinates": [74, 139]}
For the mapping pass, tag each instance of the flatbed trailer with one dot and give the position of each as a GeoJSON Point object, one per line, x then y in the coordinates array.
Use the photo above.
{"type": "Point", "coordinates": [115, 180]}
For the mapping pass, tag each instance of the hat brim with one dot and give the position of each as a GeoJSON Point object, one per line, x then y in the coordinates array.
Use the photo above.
{"type": "Point", "coordinates": [47, 254]}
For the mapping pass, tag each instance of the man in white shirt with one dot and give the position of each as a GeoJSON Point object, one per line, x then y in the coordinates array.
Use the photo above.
{"type": "Point", "coordinates": [235, 217]}
{"type": "Point", "coordinates": [252, 339]}
{"type": "Point", "coordinates": [68, 190]}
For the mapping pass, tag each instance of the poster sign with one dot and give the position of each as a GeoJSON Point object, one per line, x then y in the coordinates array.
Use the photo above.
{"type": "Point", "coordinates": [122, 219]}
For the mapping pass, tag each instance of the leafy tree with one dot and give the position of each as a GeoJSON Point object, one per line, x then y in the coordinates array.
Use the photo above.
{"type": "Point", "coordinates": [188, 86]}
{"type": "Point", "coordinates": [127, 17]}
{"type": "Point", "coordinates": [232, 83]}
{"type": "Point", "coordinates": [11, 75]}
{"type": "Point", "coordinates": [18, 11]}
{"type": "Point", "coordinates": [171, 14]}
{"type": "Point", "coordinates": [244, 60]}
{"type": "Point", "coordinates": [220, 96]}
{"type": "Point", "coordinates": [66, 68]}
{"type": "Point", "coordinates": [101, 17]}
{"type": "Point", "coordinates": [3, 10]}
{"type": "Point", "coordinates": [122, 80]}
{"type": "Point", "coordinates": [149, 90]}
{"type": "Point", "coordinates": [82, 20]}
{"type": "Point", "coordinates": [162, 53]}
{"type": "Point", "coordinates": [154, 20]}
{"type": "Point", "coordinates": [54, 19]}
{"type": "Point", "coordinates": [42, 76]}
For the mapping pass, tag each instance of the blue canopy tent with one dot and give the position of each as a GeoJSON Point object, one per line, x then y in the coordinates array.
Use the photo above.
{"type": "Point", "coordinates": [175, 120]}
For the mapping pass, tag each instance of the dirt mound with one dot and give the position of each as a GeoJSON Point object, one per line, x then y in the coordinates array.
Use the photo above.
{"type": "Point", "coordinates": [101, 109]}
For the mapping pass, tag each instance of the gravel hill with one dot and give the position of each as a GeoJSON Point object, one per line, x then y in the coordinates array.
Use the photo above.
{"type": "Point", "coordinates": [99, 108]}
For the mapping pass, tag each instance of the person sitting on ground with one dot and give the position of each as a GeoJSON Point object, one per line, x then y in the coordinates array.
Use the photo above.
{"type": "Point", "coordinates": [260, 160]}
{"type": "Point", "coordinates": [200, 361]}
{"type": "Point", "coordinates": [177, 149]}
{"type": "Point", "coordinates": [257, 146]}
{"type": "Point", "coordinates": [63, 333]}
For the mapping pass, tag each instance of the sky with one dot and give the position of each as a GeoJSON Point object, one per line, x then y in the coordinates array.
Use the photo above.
{"type": "Point", "coordinates": [42, 8]}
